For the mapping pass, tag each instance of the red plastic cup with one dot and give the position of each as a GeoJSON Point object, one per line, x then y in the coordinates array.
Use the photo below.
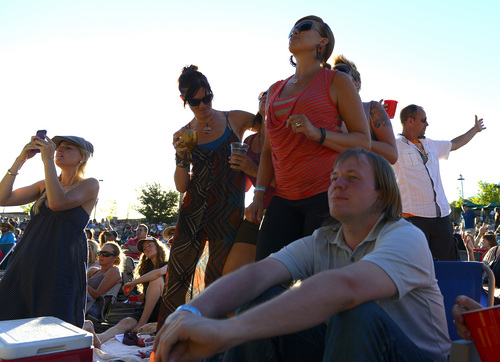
{"type": "Point", "coordinates": [132, 298]}
{"type": "Point", "coordinates": [390, 107]}
{"type": "Point", "coordinates": [484, 325]}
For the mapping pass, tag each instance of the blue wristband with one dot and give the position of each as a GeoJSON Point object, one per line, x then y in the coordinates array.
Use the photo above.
{"type": "Point", "coordinates": [259, 188]}
{"type": "Point", "coordinates": [190, 309]}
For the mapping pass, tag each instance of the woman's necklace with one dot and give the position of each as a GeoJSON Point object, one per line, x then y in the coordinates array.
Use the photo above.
{"type": "Point", "coordinates": [207, 129]}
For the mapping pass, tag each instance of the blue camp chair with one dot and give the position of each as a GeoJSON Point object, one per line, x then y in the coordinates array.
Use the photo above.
{"type": "Point", "coordinates": [7, 249]}
{"type": "Point", "coordinates": [463, 278]}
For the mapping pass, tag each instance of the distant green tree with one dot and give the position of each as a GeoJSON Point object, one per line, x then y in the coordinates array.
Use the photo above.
{"type": "Point", "coordinates": [109, 208]}
{"type": "Point", "coordinates": [27, 208]}
{"type": "Point", "coordinates": [488, 192]}
{"type": "Point", "coordinates": [158, 205]}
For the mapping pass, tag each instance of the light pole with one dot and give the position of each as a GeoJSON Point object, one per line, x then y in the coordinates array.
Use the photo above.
{"type": "Point", "coordinates": [461, 179]}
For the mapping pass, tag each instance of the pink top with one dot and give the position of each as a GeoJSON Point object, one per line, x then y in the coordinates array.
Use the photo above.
{"type": "Point", "coordinates": [302, 167]}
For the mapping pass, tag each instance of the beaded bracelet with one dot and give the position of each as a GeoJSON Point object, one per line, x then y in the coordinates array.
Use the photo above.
{"type": "Point", "coordinates": [180, 161]}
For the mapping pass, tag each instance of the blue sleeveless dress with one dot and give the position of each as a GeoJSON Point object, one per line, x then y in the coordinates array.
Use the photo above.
{"type": "Point", "coordinates": [46, 274]}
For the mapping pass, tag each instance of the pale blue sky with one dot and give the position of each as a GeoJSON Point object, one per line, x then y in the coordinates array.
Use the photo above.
{"type": "Point", "coordinates": [107, 71]}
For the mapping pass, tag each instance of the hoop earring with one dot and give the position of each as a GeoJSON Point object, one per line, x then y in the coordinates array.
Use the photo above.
{"type": "Point", "coordinates": [318, 52]}
{"type": "Point", "coordinates": [292, 62]}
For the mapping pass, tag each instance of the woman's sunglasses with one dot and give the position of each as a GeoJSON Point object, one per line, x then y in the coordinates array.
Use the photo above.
{"type": "Point", "coordinates": [105, 254]}
{"type": "Point", "coordinates": [342, 68]}
{"type": "Point", "coordinates": [262, 95]}
{"type": "Point", "coordinates": [304, 26]}
{"type": "Point", "coordinates": [194, 102]}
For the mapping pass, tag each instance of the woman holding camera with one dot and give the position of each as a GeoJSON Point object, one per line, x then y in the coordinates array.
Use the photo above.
{"type": "Point", "coordinates": [46, 275]}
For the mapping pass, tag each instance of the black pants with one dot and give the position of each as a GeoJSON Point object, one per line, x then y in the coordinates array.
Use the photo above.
{"type": "Point", "coordinates": [439, 234]}
{"type": "Point", "coordinates": [288, 220]}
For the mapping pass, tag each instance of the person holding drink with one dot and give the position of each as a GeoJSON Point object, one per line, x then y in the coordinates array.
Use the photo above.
{"type": "Point", "coordinates": [382, 135]}
{"type": "Point", "coordinates": [212, 205]}
{"type": "Point", "coordinates": [47, 272]}
{"type": "Point", "coordinates": [244, 248]}
{"type": "Point", "coordinates": [304, 115]}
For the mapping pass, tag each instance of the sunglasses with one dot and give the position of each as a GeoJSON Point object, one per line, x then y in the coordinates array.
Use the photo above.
{"type": "Point", "coordinates": [196, 102]}
{"type": "Point", "coordinates": [262, 95]}
{"type": "Point", "coordinates": [343, 68]}
{"type": "Point", "coordinates": [304, 26]}
{"type": "Point", "coordinates": [424, 120]}
{"type": "Point", "coordinates": [105, 254]}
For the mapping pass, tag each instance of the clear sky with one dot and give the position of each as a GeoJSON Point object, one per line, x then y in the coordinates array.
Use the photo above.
{"type": "Point", "coordinates": [107, 71]}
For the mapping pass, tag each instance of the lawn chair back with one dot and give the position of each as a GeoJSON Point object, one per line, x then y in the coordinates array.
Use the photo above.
{"type": "Point", "coordinates": [462, 278]}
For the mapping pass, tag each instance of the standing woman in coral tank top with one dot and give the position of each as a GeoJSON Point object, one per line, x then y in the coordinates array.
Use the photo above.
{"type": "Point", "coordinates": [304, 114]}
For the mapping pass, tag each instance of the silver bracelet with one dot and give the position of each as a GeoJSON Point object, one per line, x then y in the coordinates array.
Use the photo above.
{"type": "Point", "coordinates": [189, 308]}
{"type": "Point", "coordinates": [9, 172]}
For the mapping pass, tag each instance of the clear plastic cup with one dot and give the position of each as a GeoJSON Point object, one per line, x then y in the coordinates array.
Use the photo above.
{"type": "Point", "coordinates": [239, 147]}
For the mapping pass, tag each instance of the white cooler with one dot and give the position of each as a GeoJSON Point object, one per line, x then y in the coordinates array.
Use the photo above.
{"type": "Point", "coordinates": [44, 339]}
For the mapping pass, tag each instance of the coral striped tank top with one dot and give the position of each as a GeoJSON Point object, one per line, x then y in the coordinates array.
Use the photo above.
{"type": "Point", "coordinates": [302, 167]}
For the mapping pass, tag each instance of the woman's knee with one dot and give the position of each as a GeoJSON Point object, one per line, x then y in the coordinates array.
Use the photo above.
{"type": "Point", "coordinates": [158, 283]}
{"type": "Point", "coordinates": [127, 323]}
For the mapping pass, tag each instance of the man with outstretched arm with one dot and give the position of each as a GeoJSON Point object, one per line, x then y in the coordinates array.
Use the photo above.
{"type": "Point", "coordinates": [368, 289]}
{"type": "Point", "coordinates": [419, 179]}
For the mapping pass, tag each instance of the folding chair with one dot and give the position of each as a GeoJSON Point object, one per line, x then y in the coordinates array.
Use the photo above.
{"type": "Point", "coordinates": [7, 250]}
{"type": "Point", "coordinates": [463, 278]}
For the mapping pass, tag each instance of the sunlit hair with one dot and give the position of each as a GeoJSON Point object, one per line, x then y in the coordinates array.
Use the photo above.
{"type": "Point", "coordinates": [120, 261]}
{"type": "Point", "coordinates": [93, 249]}
{"type": "Point", "coordinates": [340, 59]}
{"type": "Point", "coordinates": [409, 111]}
{"type": "Point", "coordinates": [326, 32]}
{"type": "Point", "coordinates": [91, 232]}
{"type": "Point", "coordinates": [389, 198]}
{"type": "Point", "coordinates": [102, 238]}
{"type": "Point", "coordinates": [146, 264]}
{"type": "Point", "coordinates": [80, 172]}
{"type": "Point", "coordinates": [190, 81]}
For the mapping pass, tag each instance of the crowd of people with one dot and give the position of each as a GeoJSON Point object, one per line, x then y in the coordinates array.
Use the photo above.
{"type": "Point", "coordinates": [340, 204]}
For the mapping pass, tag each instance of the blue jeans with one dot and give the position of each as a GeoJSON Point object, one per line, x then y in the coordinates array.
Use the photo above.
{"type": "Point", "coordinates": [364, 333]}
{"type": "Point", "coordinates": [303, 346]}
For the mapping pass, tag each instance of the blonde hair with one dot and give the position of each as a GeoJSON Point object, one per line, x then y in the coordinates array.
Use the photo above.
{"type": "Point", "coordinates": [93, 249]}
{"type": "Point", "coordinates": [389, 197]}
{"type": "Point", "coordinates": [80, 172]}
{"type": "Point", "coordinates": [341, 59]}
{"type": "Point", "coordinates": [120, 261]}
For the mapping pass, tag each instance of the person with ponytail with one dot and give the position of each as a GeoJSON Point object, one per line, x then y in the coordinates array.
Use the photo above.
{"type": "Point", "coordinates": [47, 271]}
{"type": "Point", "coordinates": [304, 115]}
{"type": "Point", "coordinates": [213, 192]}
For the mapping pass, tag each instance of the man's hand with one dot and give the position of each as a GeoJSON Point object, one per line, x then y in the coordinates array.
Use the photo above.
{"type": "Point", "coordinates": [479, 124]}
{"type": "Point", "coordinates": [187, 337]}
{"type": "Point", "coordinates": [464, 304]}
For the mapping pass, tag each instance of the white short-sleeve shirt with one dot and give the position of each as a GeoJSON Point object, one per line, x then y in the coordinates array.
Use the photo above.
{"type": "Point", "coordinates": [420, 184]}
